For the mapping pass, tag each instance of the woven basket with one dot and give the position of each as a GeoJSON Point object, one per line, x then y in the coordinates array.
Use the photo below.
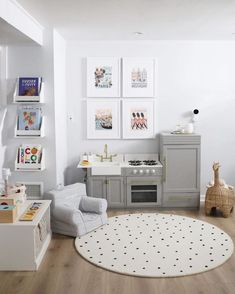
{"type": "Point", "coordinates": [219, 196]}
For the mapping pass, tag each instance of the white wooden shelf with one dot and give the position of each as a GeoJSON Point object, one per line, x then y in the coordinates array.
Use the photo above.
{"type": "Point", "coordinates": [28, 103]}
{"type": "Point", "coordinates": [29, 134]}
{"type": "Point", "coordinates": [28, 99]}
{"type": "Point", "coordinates": [30, 167]}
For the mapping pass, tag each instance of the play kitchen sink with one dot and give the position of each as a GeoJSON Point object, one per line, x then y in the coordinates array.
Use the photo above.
{"type": "Point", "coordinates": [105, 168]}
{"type": "Point", "coordinates": [105, 164]}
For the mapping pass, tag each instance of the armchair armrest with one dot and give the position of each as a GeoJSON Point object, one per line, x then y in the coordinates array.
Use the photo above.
{"type": "Point", "coordinates": [96, 205]}
{"type": "Point", "coordinates": [67, 214]}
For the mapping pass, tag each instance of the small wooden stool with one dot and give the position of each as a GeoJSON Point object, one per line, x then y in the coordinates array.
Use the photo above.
{"type": "Point", "coordinates": [218, 196]}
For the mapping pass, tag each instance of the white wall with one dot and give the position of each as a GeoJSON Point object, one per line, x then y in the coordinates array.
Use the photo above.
{"type": "Point", "coordinates": [60, 106]}
{"type": "Point", "coordinates": [3, 110]}
{"type": "Point", "coordinates": [197, 74]}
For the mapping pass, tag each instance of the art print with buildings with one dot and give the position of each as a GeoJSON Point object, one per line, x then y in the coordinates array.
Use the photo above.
{"type": "Point", "coordinates": [103, 119]}
{"type": "Point", "coordinates": [139, 119]}
{"type": "Point", "coordinates": [103, 77]}
{"type": "Point", "coordinates": [139, 78]}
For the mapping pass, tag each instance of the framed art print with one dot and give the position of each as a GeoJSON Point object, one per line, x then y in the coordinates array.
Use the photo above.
{"type": "Point", "coordinates": [103, 77]}
{"type": "Point", "coordinates": [138, 77]}
{"type": "Point", "coordinates": [138, 120]}
{"type": "Point", "coordinates": [103, 119]}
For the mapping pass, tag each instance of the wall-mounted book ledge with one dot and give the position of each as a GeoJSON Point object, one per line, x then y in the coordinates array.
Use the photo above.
{"type": "Point", "coordinates": [29, 90]}
{"type": "Point", "coordinates": [27, 133]}
{"type": "Point", "coordinates": [30, 158]}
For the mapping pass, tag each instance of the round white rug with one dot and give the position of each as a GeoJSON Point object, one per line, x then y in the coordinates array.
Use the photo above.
{"type": "Point", "coordinates": [156, 245]}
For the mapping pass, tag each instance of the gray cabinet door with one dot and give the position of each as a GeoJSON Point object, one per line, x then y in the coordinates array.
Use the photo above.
{"type": "Point", "coordinates": [115, 192]}
{"type": "Point", "coordinates": [97, 187]}
{"type": "Point", "coordinates": [181, 168]}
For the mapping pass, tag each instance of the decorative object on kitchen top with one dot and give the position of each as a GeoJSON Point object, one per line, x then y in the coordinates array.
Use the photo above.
{"type": "Point", "coordinates": [138, 77]}
{"type": "Point", "coordinates": [103, 77]}
{"type": "Point", "coordinates": [219, 195]}
{"type": "Point", "coordinates": [156, 245]}
{"type": "Point", "coordinates": [138, 119]}
{"type": "Point", "coordinates": [103, 119]}
{"type": "Point", "coordinates": [188, 128]}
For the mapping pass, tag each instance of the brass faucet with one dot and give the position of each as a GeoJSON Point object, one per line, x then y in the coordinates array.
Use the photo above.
{"type": "Point", "coordinates": [105, 156]}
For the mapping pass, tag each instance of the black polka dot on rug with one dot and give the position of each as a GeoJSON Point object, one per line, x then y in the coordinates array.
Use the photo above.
{"type": "Point", "coordinates": [156, 245]}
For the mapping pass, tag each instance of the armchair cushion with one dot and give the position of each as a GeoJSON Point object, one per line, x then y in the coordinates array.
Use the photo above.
{"type": "Point", "coordinates": [95, 205]}
{"type": "Point", "coordinates": [68, 214]}
{"type": "Point", "coordinates": [67, 193]}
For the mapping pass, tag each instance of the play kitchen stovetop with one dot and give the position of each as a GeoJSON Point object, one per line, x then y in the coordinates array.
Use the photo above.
{"type": "Point", "coordinates": [142, 165]}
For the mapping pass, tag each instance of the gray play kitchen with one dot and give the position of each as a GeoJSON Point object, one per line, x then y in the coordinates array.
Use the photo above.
{"type": "Point", "coordinates": [148, 180]}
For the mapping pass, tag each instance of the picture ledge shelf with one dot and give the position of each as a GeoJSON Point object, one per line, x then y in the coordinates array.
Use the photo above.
{"type": "Point", "coordinates": [28, 99]}
{"type": "Point", "coordinates": [30, 133]}
{"type": "Point", "coordinates": [29, 167]}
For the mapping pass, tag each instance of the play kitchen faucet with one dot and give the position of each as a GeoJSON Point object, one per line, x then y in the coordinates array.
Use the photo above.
{"type": "Point", "coordinates": [105, 156]}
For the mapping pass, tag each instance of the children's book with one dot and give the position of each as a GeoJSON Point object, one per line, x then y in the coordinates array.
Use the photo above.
{"type": "Point", "coordinates": [29, 154]}
{"type": "Point", "coordinates": [29, 86]}
{"type": "Point", "coordinates": [29, 118]}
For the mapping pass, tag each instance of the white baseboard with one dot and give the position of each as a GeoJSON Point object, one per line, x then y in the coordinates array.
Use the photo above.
{"type": "Point", "coordinates": [202, 198]}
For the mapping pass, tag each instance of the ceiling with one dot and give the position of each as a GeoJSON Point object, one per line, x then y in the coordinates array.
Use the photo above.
{"type": "Point", "coordinates": [118, 19]}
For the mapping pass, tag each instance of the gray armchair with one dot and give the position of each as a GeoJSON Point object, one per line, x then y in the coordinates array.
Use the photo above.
{"type": "Point", "coordinates": [74, 213]}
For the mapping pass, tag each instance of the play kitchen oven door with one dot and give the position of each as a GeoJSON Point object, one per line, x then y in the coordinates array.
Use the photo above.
{"type": "Point", "coordinates": [144, 191]}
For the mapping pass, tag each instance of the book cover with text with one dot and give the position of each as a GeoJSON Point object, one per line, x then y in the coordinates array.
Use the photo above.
{"type": "Point", "coordinates": [29, 86]}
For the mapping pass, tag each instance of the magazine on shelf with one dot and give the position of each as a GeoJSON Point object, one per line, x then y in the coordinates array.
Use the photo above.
{"type": "Point", "coordinates": [29, 154]}
{"type": "Point", "coordinates": [29, 86]}
{"type": "Point", "coordinates": [29, 118]}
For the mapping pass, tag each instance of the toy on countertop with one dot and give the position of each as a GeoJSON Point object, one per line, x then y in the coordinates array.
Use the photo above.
{"type": "Point", "coordinates": [11, 195]}
{"type": "Point", "coordinates": [6, 172]}
{"type": "Point", "coordinates": [219, 195]}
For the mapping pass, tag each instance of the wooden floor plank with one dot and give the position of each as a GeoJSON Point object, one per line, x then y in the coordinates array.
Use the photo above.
{"type": "Point", "coordinates": [63, 270]}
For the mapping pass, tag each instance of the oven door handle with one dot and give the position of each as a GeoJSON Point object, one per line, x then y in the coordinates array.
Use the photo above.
{"type": "Point", "coordinates": [164, 169]}
{"type": "Point", "coordinates": [143, 182]}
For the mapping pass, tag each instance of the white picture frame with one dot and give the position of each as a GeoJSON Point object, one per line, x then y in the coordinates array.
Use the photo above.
{"type": "Point", "coordinates": [103, 77]}
{"type": "Point", "coordinates": [138, 119]}
{"type": "Point", "coordinates": [103, 119]}
{"type": "Point", "coordinates": [138, 79]}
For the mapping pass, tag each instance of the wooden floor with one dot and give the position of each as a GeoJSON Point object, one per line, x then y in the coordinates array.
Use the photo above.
{"type": "Point", "coordinates": [63, 271]}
